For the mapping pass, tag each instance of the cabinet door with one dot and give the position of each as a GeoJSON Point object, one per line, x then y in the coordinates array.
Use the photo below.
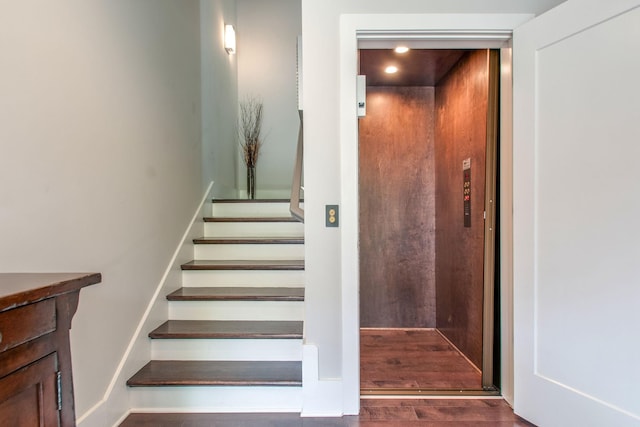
{"type": "Point", "coordinates": [28, 396]}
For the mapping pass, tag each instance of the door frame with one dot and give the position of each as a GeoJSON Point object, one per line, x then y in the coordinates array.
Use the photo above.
{"type": "Point", "coordinates": [487, 332]}
{"type": "Point", "coordinates": [437, 31]}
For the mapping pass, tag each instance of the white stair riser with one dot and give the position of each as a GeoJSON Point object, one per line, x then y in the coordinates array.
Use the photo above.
{"type": "Point", "coordinates": [258, 278]}
{"type": "Point", "coordinates": [253, 229]}
{"type": "Point", "coordinates": [226, 399]}
{"type": "Point", "coordinates": [227, 349]}
{"type": "Point", "coordinates": [236, 310]}
{"type": "Point", "coordinates": [249, 251]}
{"type": "Point", "coordinates": [216, 399]}
{"type": "Point", "coordinates": [250, 210]}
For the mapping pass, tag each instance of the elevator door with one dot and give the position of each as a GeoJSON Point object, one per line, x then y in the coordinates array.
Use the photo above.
{"type": "Point", "coordinates": [423, 247]}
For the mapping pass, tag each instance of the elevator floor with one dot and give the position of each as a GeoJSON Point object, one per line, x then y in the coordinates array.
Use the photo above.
{"type": "Point", "coordinates": [420, 359]}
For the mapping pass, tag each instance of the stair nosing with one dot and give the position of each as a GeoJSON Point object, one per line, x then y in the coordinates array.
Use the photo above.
{"type": "Point", "coordinates": [260, 219]}
{"type": "Point", "coordinates": [249, 241]}
{"type": "Point", "coordinates": [250, 201]}
{"type": "Point", "coordinates": [244, 265]}
{"type": "Point", "coordinates": [226, 293]}
{"type": "Point", "coordinates": [218, 383]}
{"type": "Point", "coordinates": [159, 373]}
{"type": "Point", "coordinates": [245, 329]}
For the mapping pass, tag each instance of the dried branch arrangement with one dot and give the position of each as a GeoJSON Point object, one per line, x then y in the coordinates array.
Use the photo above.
{"type": "Point", "coordinates": [249, 130]}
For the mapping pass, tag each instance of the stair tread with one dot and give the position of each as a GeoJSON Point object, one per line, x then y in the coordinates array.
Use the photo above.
{"type": "Point", "coordinates": [249, 201]}
{"type": "Point", "coordinates": [250, 219]}
{"type": "Point", "coordinates": [237, 294]}
{"type": "Point", "coordinates": [217, 373]}
{"type": "Point", "coordinates": [228, 329]}
{"type": "Point", "coordinates": [248, 240]}
{"type": "Point", "coordinates": [297, 264]}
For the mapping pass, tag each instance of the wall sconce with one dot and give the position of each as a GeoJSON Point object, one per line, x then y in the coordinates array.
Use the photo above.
{"type": "Point", "coordinates": [229, 39]}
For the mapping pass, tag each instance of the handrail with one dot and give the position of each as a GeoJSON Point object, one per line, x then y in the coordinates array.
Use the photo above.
{"type": "Point", "coordinates": [296, 185]}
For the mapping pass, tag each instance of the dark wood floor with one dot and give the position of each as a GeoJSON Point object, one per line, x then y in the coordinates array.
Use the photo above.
{"type": "Point", "coordinates": [373, 413]}
{"type": "Point", "coordinates": [389, 359]}
{"type": "Point", "coordinates": [413, 359]}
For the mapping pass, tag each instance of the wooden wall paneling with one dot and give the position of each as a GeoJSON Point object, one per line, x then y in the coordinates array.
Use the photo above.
{"type": "Point", "coordinates": [461, 130]}
{"type": "Point", "coordinates": [397, 208]}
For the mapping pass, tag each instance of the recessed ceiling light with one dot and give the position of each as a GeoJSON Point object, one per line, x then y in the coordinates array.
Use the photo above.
{"type": "Point", "coordinates": [402, 49]}
{"type": "Point", "coordinates": [391, 69]}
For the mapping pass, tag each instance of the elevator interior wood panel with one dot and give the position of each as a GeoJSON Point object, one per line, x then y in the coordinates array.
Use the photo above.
{"type": "Point", "coordinates": [461, 130]}
{"type": "Point", "coordinates": [397, 211]}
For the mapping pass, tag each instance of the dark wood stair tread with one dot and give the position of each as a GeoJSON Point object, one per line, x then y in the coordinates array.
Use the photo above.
{"type": "Point", "coordinates": [251, 219]}
{"type": "Point", "coordinates": [249, 240]}
{"type": "Point", "coordinates": [217, 373]}
{"type": "Point", "coordinates": [297, 264]}
{"type": "Point", "coordinates": [183, 329]}
{"type": "Point", "coordinates": [248, 201]}
{"type": "Point", "coordinates": [237, 294]}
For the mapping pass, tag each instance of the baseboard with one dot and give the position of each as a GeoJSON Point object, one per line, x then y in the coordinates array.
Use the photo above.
{"type": "Point", "coordinates": [114, 406]}
{"type": "Point", "coordinates": [216, 399]}
{"type": "Point", "coordinates": [320, 397]}
{"type": "Point", "coordinates": [122, 418]}
{"type": "Point", "coordinates": [206, 410]}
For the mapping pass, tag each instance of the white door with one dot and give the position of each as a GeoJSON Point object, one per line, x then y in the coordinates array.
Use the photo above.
{"type": "Point", "coordinates": [577, 215]}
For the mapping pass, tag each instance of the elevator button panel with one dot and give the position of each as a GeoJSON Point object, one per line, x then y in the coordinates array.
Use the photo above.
{"type": "Point", "coordinates": [466, 191]}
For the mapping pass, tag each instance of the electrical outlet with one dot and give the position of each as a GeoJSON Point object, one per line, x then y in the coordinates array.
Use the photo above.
{"type": "Point", "coordinates": [332, 215]}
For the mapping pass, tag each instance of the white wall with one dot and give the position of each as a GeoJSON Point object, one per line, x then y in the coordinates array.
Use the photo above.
{"type": "Point", "coordinates": [219, 98]}
{"type": "Point", "coordinates": [324, 179]}
{"type": "Point", "coordinates": [267, 31]}
{"type": "Point", "coordinates": [265, 67]}
{"type": "Point", "coordinates": [100, 156]}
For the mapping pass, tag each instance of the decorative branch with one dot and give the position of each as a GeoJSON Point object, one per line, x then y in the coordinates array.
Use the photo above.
{"type": "Point", "coordinates": [249, 130]}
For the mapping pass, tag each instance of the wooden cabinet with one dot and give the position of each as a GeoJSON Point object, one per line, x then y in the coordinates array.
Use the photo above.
{"type": "Point", "coordinates": [36, 383]}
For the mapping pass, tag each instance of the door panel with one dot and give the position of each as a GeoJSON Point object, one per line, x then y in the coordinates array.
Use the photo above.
{"type": "Point", "coordinates": [576, 270]}
{"type": "Point", "coordinates": [28, 396]}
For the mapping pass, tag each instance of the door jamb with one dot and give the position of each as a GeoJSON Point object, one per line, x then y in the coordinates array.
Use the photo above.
{"type": "Point", "coordinates": [491, 158]}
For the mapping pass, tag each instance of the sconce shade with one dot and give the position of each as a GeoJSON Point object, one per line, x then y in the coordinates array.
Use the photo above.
{"type": "Point", "coordinates": [229, 39]}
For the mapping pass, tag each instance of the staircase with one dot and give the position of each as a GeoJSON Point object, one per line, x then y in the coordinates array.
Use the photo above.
{"type": "Point", "coordinates": [233, 340]}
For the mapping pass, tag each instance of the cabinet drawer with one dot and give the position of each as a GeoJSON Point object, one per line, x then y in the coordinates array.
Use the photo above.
{"type": "Point", "coordinates": [23, 324]}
